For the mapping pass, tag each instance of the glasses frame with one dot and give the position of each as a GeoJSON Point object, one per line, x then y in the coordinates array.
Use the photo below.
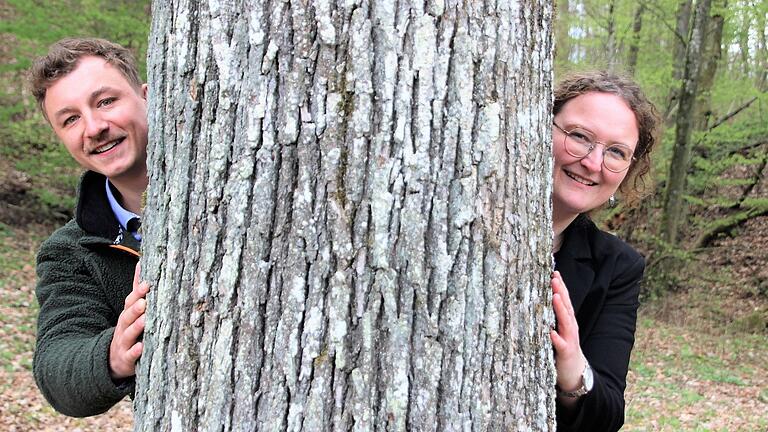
{"type": "Point", "coordinates": [567, 134]}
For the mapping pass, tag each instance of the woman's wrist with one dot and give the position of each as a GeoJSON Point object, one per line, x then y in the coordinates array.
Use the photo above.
{"type": "Point", "coordinates": [587, 381]}
{"type": "Point", "coordinates": [569, 375]}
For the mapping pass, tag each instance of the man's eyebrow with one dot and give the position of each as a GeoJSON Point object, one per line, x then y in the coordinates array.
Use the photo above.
{"type": "Point", "coordinates": [94, 95]}
{"type": "Point", "coordinates": [98, 92]}
{"type": "Point", "coordinates": [62, 111]}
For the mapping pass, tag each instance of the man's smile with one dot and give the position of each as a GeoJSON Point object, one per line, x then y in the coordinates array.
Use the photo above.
{"type": "Point", "coordinates": [109, 145]}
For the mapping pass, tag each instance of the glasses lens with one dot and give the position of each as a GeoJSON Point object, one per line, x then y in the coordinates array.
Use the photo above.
{"type": "Point", "coordinates": [578, 143]}
{"type": "Point", "coordinates": [617, 157]}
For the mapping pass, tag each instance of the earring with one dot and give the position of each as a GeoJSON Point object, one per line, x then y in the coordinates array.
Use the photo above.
{"type": "Point", "coordinates": [612, 201]}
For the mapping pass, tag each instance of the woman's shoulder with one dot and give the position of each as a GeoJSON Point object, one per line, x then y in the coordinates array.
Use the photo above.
{"type": "Point", "coordinates": [604, 244]}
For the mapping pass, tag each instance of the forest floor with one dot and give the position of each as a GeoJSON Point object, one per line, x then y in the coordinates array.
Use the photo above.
{"type": "Point", "coordinates": [700, 361]}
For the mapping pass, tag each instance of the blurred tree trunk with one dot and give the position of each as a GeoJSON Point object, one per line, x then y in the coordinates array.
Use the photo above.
{"type": "Point", "coordinates": [634, 48]}
{"type": "Point", "coordinates": [682, 40]}
{"type": "Point", "coordinates": [710, 61]}
{"type": "Point", "coordinates": [674, 204]}
{"type": "Point", "coordinates": [562, 33]}
{"type": "Point", "coordinates": [348, 223]}
{"type": "Point", "coordinates": [761, 28]}
{"type": "Point", "coordinates": [610, 45]}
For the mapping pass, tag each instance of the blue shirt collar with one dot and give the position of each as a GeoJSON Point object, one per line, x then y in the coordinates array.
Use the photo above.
{"type": "Point", "coordinates": [123, 215]}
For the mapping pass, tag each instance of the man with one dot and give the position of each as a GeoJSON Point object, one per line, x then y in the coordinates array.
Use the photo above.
{"type": "Point", "coordinates": [91, 302]}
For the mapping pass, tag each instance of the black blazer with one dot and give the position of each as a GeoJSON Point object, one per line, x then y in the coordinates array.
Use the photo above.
{"type": "Point", "coordinates": [602, 274]}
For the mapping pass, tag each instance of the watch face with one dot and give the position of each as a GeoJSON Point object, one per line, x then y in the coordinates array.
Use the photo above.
{"type": "Point", "coordinates": [589, 379]}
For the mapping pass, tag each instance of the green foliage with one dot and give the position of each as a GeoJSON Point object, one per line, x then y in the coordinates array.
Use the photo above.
{"type": "Point", "coordinates": [35, 25]}
{"type": "Point", "coordinates": [729, 150]}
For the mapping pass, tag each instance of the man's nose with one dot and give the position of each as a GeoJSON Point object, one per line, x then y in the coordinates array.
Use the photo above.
{"type": "Point", "coordinates": [95, 126]}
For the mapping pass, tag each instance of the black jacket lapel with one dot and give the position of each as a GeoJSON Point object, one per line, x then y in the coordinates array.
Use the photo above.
{"type": "Point", "coordinates": [574, 259]}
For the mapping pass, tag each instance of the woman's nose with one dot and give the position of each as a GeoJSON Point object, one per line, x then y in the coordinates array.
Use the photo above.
{"type": "Point", "coordinates": [594, 160]}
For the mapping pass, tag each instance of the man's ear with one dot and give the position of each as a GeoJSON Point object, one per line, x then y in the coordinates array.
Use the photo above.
{"type": "Point", "coordinates": [144, 89]}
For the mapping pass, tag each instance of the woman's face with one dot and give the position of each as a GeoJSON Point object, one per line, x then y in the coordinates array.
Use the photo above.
{"type": "Point", "coordinates": [581, 185]}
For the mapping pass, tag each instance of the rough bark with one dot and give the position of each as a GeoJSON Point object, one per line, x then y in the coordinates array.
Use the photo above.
{"type": "Point", "coordinates": [674, 205]}
{"type": "Point", "coordinates": [348, 223]}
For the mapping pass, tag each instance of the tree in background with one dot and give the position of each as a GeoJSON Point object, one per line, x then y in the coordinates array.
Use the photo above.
{"type": "Point", "coordinates": [674, 211]}
{"type": "Point", "coordinates": [725, 173]}
{"type": "Point", "coordinates": [348, 222]}
{"type": "Point", "coordinates": [634, 47]}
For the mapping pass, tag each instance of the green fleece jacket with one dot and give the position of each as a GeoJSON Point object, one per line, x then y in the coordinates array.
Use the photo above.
{"type": "Point", "coordinates": [85, 271]}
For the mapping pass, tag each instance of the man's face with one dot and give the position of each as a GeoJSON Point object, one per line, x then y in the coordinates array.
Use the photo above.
{"type": "Point", "coordinates": [101, 119]}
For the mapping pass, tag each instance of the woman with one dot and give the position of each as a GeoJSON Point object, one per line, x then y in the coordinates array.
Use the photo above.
{"type": "Point", "coordinates": [604, 129]}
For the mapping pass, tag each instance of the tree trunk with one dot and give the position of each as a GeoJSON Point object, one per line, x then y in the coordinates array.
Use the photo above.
{"type": "Point", "coordinates": [683, 27]}
{"type": "Point", "coordinates": [634, 48]}
{"type": "Point", "coordinates": [562, 32]}
{"type": "Point", "coordinates": [674, 204]}
{"type": "Point", "coordinates": [682, 40]}
{"type": "Point", "coordinates": [348, 222]}
{"type": "Point", "coordinates": [761, 60]}
{"type": "Point", "coordinates": [610, 44]}
{"type": "Point", "coordinates": [710, 61]}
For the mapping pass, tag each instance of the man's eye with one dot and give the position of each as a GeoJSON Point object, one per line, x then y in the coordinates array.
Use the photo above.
{"type": "Point", "coordinates": [69, 120]}
{"type": "Point", "coordinates": [107, 101]}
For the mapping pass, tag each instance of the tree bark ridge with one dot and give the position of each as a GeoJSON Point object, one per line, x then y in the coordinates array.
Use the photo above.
{"type": "Point", "coordinates": [348, 222]}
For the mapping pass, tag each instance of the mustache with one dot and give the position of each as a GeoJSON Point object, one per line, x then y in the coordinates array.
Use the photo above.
{"type": "Point", "coordinates": [102, 139]}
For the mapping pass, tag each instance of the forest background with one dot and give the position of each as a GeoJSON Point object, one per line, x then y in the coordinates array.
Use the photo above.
{"type": "Point", "coordinates": [701, 353]}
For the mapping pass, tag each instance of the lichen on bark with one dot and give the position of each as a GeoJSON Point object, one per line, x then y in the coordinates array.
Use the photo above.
{"type": "Point", "coordinates": [348, 223]}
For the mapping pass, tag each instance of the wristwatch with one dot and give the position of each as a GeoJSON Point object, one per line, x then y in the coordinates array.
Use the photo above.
{"type": "Point", "coordinates": [587, 382]}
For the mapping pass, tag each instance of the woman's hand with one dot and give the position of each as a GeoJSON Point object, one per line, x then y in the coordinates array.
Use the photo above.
{"type": "Point", "coordinates": [569, 360]}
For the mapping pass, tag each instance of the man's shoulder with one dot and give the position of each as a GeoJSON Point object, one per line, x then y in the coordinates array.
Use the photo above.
{"type": "Point", "coordinates": [70, 236]}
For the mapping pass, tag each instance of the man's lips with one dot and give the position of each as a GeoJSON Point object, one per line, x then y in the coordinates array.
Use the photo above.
{"type": "Point", "coordinates": [580, 179]}
{"type": "Point", "coordinates": [107, 146]}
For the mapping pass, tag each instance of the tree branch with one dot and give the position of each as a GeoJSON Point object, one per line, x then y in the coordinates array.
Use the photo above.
{"type": "Point", "coordinates": [660, 15]}
{"type": "Point", "coordinates": [747, 147]}
{"type": "Point", "coordinates": [756, 179]}
{"type": "Point", "coordinates": [733, 113]}
{"type": "Point", "coordinates": [726, 224]}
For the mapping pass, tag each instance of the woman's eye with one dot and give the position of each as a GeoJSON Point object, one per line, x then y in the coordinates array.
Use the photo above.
{"type": "Point", "coordinates": [580, 137]}
{"type": "Point", "coordinates": [618, 152]}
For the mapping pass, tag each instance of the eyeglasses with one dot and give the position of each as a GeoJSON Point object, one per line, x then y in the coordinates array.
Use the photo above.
{"type": "Point", "coordinates": [579, 143]}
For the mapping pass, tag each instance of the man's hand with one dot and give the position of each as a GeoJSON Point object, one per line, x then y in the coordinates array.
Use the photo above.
{"type": "Point", "coordinates": [125, 348]}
